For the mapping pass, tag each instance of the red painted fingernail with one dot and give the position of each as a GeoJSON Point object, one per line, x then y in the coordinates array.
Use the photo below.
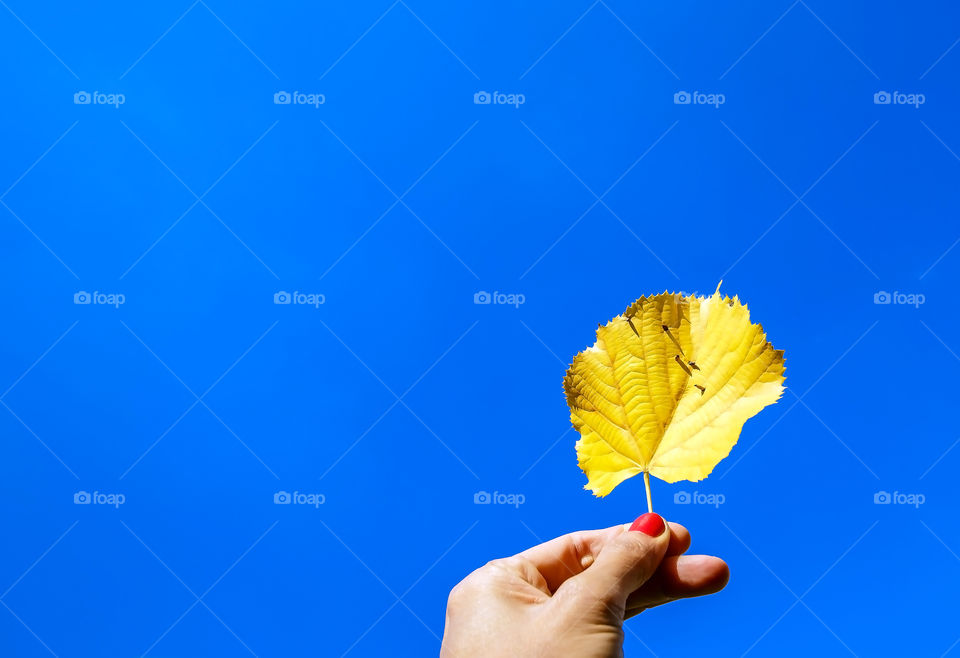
{"type": "Point", "coordinates": [649, 524]}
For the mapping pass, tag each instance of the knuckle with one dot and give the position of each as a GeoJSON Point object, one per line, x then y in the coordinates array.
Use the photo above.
{"type": "Point", "coordinates": [496, 564]}
{"type": "Point", "coordinates": [458, 594]}
{"type": "Point", "coordinates": [467, 588]}
{"type": "Point", "coordinates": [505, 565]}
{"type": "Point", "coordinates": [486, 575]}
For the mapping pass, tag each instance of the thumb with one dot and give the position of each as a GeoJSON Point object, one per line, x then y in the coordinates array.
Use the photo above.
{"type": "Point", "coordinates": [628, 561]}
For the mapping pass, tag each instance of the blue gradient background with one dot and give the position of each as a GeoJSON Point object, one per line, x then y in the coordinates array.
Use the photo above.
{"type": "Point", "coordinates": [505, 199]}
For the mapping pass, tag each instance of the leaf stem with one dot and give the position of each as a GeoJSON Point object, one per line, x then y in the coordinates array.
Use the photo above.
{"type": "Point", "coordinates": [646, 484]}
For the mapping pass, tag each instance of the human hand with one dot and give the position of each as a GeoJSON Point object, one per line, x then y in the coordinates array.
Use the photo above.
{"type": "Point", "coordinates": [571, 595]}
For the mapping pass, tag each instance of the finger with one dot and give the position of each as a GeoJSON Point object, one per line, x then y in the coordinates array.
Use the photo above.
{"type": "Point", "coordinates": [680, 577]}
{"type": "Point", "coordinates": [679, 539]}
{"type": "Point", "coordinates": [568, 555]}
{"type": "Point", "coordinates": [626, 562]}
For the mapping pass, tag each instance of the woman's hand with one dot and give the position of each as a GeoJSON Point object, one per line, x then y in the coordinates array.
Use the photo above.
{"type": "Point", "coordinates": [570, 596]}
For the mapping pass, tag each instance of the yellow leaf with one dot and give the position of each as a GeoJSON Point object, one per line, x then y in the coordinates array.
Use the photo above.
{"type": "Point", "coordinates": [667, 387]}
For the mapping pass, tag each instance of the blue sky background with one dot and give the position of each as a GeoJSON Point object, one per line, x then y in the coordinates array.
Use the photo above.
{"type": "Point", "coordinates": [398, 399]}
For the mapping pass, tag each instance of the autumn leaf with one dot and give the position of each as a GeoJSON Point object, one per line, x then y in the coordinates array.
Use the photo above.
{"type": "Point", "coordinates": [667, 387]}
